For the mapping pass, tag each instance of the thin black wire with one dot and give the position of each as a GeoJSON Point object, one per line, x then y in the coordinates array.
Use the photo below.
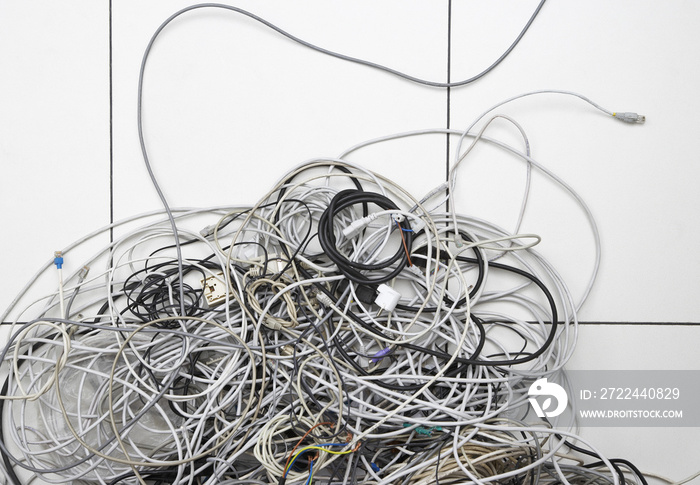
{"type": "Point", "coordinates": [352, 269]}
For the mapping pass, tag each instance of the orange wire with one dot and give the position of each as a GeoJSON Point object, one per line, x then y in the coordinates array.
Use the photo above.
{"type": "Point", "coordinates": [405, 247]}
{"type": "Point", "coordinates": [302, 439]}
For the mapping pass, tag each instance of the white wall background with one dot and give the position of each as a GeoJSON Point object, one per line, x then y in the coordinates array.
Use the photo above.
{"type": "Point", "coordinates": [230, 105]}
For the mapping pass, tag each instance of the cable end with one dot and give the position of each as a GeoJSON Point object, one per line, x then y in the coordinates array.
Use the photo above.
{"type": "Point", "coordinates": [629, 117]}
{"type": "Point", "coordinates": [58, 259]}
{"type": "Point", "coordinates": [207, 231]}
{"type": "Point", "coordinates": [324, 299]}
{"type": "Point", "coordinates": [387, 298]}
{"type": "Point", "coordinates": [358, 225]}
{"type": "Point", "coordinates": [380, 355]}
{"type": "Point", "coordinates": [82, 274]}
{"type": "Point", "coordinates": [417, 226]}
{"type": "Point", "coordinates": [416, 271]}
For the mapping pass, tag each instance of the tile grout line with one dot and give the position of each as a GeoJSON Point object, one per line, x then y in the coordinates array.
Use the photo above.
{"type": "Point", "coordinates": [448, 114]}
{"type": "Point", "coordinates": [111, 134]}
{"type": "Point", "coordinates": [448, 91]}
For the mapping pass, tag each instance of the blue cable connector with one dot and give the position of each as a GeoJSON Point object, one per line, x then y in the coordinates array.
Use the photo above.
{"type": "Point", "coordinates": [58, 259]}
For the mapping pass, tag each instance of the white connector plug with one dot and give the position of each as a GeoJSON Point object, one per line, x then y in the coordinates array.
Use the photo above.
{"type": "Point", "coordinates": [387, 298]}
{"type": "Point", "coordinates": [416, 271]}
{"type": "Point", "coordinates": [417, 225]}
{"type": "Point", "coordinates": [207, 231]}
{"type": "Point", "coordinates": [358, 225]}
{"type": "Point", "coordinates": [324, 299]}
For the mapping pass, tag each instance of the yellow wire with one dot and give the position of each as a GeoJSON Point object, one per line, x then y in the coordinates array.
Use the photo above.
{"type": "Point", "coordinates": [313, 447]}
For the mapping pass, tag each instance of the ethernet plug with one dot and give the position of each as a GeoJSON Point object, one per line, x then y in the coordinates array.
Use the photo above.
{"type": "Point", "coordinates": [629, 117]}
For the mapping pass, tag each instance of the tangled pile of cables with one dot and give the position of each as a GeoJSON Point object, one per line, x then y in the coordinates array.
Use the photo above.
{"type": "Point", "coordinates": [340, 330]}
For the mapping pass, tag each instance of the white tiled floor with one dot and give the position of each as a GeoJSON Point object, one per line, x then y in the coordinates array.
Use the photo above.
{"type": "Point", "coordinates": [230, 105]}
{"type": "Point", "coordinates": [54, 130]}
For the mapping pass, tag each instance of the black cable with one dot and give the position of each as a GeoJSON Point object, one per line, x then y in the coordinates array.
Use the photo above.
{"type": "Point", "coordinates": [445, 356]}
{"type": "Point", "coordinates": [161, 476]}
{"type": "Point", "coordinates": [340, 346]}
{"type": "Point", "coordinates": [356, 182]}
{"type": "Point", "coordinates": [613, 461]}
{"type": "Point", "coordinates": [554, 318]}
{"type": "Point", "coordinates": [353, 269]}
{"type": "Point", "coordinates": [479, 258]}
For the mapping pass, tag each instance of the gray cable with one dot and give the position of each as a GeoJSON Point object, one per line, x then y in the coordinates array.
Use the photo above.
{"type": "Point", "coordinates": [299, 41]}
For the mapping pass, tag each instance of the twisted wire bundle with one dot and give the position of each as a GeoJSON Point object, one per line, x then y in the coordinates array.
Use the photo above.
{"type": "Point", "coordinates": [339, 330]}
{"type": "Point", "coordinates": [125, 387]}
